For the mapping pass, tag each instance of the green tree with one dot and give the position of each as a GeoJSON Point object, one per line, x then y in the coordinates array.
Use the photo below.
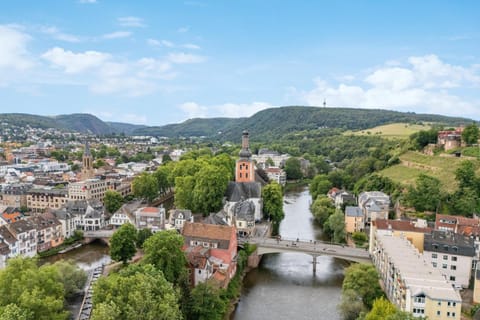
{"type": "Point", "coordinates": [122, 243]}
{"type": "Point", "coordinates": [426, 195]}
{"type": "Point", "coordinates": [273, 204]}
{"type": "Point", "coordinates": [465, 175]}
{"type": "Point", "coordinates": [465, 202]}
{"type": "Point", "coordinates": [360, 238]}
{"type": "Point", "coordinates": [210, 186]}
{"type": "Point", "coordinates": [362, 280]}
{"type": "Point", "coordinates": [142, 236]}
{"type": "Point", "coordinates": [207, 303]}
{"type": "Point", "coordinates": [31, 291]}
{"type": "Point", "coordinates": [166, 158]}
{"type": "Point", "coordinates": [72, 277]}
{"type": "Point", "coordinates": [293, 169]}
{"type": "Point", "coordinates": [164, 251]}
{"type": "Point", "coordinates": [138, 292]}
{"type": "Point", "coordinates": [320, 185]}
{"type": "Point", "coordinates": [14, 312]}
{"type": "Point", "coordinates": [112, 200]}
{"type": "Point", "coordinates": [269, 162]}
{"type": "Point", "coordinates": [145, 186]}
{"type": "Point", "coordinates": [322, 208]}
{"type": "Point", "coordinates": [351, 305]}
{"type": "Point", "coordinates": [384, 310]}
{"type": "Point", "coordinates": [184, 192]}
{"type": "Point", "coordinates": [470, 134]}
{"type": "Point", "coordinates": [335, 225]}
{"type": "Point", "coordinates": [161, 175]}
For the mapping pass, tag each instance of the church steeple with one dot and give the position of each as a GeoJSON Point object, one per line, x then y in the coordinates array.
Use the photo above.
{"type": "Point", "coordinates": [87, 161]}
{"type": "Point", "coordinates": [245, 168]}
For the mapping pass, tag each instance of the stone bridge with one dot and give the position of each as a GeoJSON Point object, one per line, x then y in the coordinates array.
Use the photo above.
{"type": "Point", "coordinates": [102, 235]}
{"type": "Point", "coordinates": [313, 248]}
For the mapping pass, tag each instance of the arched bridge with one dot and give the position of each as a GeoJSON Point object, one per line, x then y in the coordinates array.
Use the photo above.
{"type": "Point", "coordinates": [103, 235]}
{"type": "Point", "coordinates": [313, 248]}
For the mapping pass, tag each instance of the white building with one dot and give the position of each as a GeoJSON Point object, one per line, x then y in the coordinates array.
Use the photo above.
{"type": "Point", "coordinates": [26, 234]}
{"type": "Point", "coordinates": [374, 204]}
{"type": "Point", "coordinates": [410, 282]}
{"type": "Point", "coordinates": [87, 190]}
{"type": "Point", "coordinates": [452, 254]}
{"type": "Point", "coordinates": [276, 174]}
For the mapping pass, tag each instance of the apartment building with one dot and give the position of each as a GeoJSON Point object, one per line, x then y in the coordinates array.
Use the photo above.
{"type": "Point", "coordinates": [39, 199]}
{"type": "Point", "coordinates": [87, 190]}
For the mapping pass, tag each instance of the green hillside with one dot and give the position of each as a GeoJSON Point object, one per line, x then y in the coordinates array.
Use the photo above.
{"type": "Point", "coordinates": [414, 163]}
{"type": "Point", "coordinates": [391, 131]}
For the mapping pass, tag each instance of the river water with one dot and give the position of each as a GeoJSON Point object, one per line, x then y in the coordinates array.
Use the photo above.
{"type": "Point", "coordinates": [283, 286]}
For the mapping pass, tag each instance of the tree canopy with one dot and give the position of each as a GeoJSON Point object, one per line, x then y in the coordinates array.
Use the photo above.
{"type": "Point", "coordinates": [113, 201]}
{"type": "Point", "coordinates": [470, 134]}
{"type": "Point", "coordinates": [122, 243]}
{"type": "Point", "coordinates": [272, 196]}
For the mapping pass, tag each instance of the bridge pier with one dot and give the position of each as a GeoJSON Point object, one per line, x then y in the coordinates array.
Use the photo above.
{"type": "Point", "coordinates": [314, 265]}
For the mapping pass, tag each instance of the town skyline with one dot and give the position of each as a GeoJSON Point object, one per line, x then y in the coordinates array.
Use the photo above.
{"type": "Point", "coordinates": [154, 64]}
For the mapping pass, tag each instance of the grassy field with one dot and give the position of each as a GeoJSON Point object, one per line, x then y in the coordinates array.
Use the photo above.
{"type": "Point", "coordinates": [391, 131]}
{"type": "Point", "coordinates": [414, 163]}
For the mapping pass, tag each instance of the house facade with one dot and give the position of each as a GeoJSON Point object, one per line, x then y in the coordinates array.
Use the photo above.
{"type": "Point", "coordinates": [178, 217]}
{"type": "Point", "coordinates": [354, 221]}
{"type": "Point", "coordinates": [374, 204]}
{"type": "Point", "coordinates": [152, 218]}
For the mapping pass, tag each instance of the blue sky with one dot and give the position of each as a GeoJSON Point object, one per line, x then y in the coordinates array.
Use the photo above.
{"type": "Point", "coordinates": [159, 62]}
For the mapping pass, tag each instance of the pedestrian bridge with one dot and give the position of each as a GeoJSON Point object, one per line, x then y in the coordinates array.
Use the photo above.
{"type": "Point", "coordinates": [103, 235]}
{"type": "Point", "coordinates": [313, 248]}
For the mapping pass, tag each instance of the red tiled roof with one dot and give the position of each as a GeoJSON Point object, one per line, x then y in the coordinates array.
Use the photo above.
{"type": "Point", "coordinates": [150, 209]}
{"type": "Point", "coordinates": [399, 225]}
{"type": "Point", "coordinates": [208, 231]}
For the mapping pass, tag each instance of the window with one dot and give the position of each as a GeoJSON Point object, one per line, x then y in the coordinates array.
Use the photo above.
{"type": "Point", "coordinates": [444, 266]}
{"type": "Point", "coordinates": [434, 264]}
{"type": "Point", "coordinates": [419, 299]}
{"type": "Point", "coordinates": [454, 304]}
{"type": "Point", "coordinates": [452, 278]}
{"type": "Point", "coordinates": [445, 257]}
{"type": "Point", "coordinates": [453, 267]}
{"type": "Point", "coordinates": [438, 312]}
{"type": "Point", "coordinates": [454, 258]}
{"type": "Point", "coordinates": [448, 314]}
{"type": "Point", "coordinates": [434, 256]}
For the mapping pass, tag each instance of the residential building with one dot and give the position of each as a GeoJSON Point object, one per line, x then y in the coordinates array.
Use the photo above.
{"type": "Point", "coordinates": [374, 204]}
{"type": "Point", "coordinates": [67, 221]}
{"type": "Point", "coordinates": [152, 218]}
{"type": "Point", "coordinates": [49, 231]}
{"type": "Point", "coordinates": [244, 217]}
{"type": "Point", "coordinates": [264, 156]}
{"type": "Point", "coordinates": [87, 215]}
{"type": "Point", "coordinates": [411, 283]}
{"type": "Point", "coordinates": [221, 242]}
{"type": "Point", "coordinates": [178, 217]}
{"type": "Point", "coordinates": [276, 174]}
{"type": "Point", "coordinates": [476, 286]}
{"type": "Point", "coordinates": [8, 246]}
{"type": "Point", "coordinates": [452, 254]}
{"type": "Point", "coordinates": [9, 215]}
{"type": "Point", "coordinates": [39, 199]}
{"type": "Point", "coordinates": [450, 139]}
{"type": "Point", "coordinates": [344, 198]}
{"type": "Point", "coordinates": [25, 231]}
{"type": "Point", "coordinates": [354, 221]}
{"type": "Point", "coordinates": [14, 195]}
{"type": "Point", "coordinates": [87, 190]}
{"type": "Point", "coordinates": [413, 231]}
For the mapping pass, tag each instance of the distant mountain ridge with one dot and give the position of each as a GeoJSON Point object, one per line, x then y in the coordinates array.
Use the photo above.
{"type": "Point", "coordinates": [79, 122]}
{"type": "Point", "coordinates": [268, 123]}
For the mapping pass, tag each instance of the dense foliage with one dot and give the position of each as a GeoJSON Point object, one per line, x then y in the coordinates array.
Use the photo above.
{"type": "Point", "coordinates": [122, 243]}
{"type": "Point", "coordinates": [272, 196]}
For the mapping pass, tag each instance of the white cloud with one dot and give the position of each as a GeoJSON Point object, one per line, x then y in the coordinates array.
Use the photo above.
{"type": "Point", "coordinates": [427, 84]}
{"type": "Point", "coordinates": [154, 42]}
{"type": "Point", "coordinates": [131, 22]}
{"type": "Point", "coordinates": [181, 58]}
{"type": "Point", "coordinates": [167, 43]}
{"type": "Point", "coordinates": [87, 1]}
{"type": "Point", "coordinates": [183, 29]}
{"type": "Point", "coordinates": [191, 46]}
{"type": "Point", "coordinates": [230, 110]}
{"type": "Point", "coordinates": [75, 62]}
{"type": "Point", "coordinates": [13, 53]}
{"type": "Point", "coordinates": [117, 35]}
{"type": "Point", "coordinates": [57, 34]}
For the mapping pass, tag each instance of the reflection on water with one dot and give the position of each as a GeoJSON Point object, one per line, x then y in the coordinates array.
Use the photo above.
{"type": "Point", "coordinates": [87, 257]}
{"type": "Point", "coordinates": [284, 287]}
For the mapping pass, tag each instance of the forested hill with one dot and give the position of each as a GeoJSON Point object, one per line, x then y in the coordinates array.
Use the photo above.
{"type": "Point", "coordinates": [80, 122]}
{"type": "Point", "coordinates": [266, 124]}
{"type": "Point", "coordinates": [276, 122]}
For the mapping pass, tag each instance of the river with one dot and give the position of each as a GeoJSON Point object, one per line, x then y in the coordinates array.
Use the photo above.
{"type": "Point", "coordinates": [283, 286]}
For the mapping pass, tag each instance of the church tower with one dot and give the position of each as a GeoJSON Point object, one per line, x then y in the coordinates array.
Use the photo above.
{"type": "Point", "coordinates": [87, 161]}
{"type": "Point", "coordinates": [245, 168]}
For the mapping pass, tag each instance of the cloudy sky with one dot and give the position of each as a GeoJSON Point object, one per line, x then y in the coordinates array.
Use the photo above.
{"type": "Point", "coordinates": [158, 62]}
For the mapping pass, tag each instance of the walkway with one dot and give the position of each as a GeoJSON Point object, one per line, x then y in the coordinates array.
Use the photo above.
{"type": "Point", "coordinates": [87, 304]}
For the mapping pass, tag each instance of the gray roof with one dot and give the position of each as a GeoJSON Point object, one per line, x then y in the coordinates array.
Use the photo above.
{"type": "Point", "coordinates": [219, 218]}
{"type": "Point", "coordinates": [353, 211]}
{"type": "Point", "coordinates": [21, 226]}
{"type": "Point", "coordinates": [449, 242]}
{"type": "Point", "coordinates": [244, 210]}
{"type": "Point", "coordinates": [187, 214]}
{"type": "Point", "coordinates": [237, 191]}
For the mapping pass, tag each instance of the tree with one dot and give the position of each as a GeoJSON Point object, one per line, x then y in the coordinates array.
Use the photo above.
{"type": "Point", "coordinates": [142, 235]}
{"type": "Point", "coordinates": [273, 204]}
{"type": "Point", "coordinates": [138, 292]}
{"type": "Point", "coordinates": [113, 201]}
{"type": "Point", "coordinates": [293, 169]}
{"type": "Point", "coordinates": [72, 277]}
{"type": "Point", "coordinates": [335, 225]}
{"type": "Point", "coordinates": [122, 243]}
{"type": "Point", "coordinates": [470, 134]}
{"type": "Point", "coordinates": [210, 185]}
{"type": "Point", "coordinates": [320, 185]}
{"type": "Point", "coordinates": [359, 238]}
{"type": "Point", "coordinates": [322, 208]}
{"type": "Point", "coordinates": [161, 175]}
{"type": "Point", "coordinates": [351, 305]}
{"type": "Point", "coordinates": [31, 291]}
{"type": "Point", "coordinates": [426, 195]}
{"type": "Point", "coordinates": [362, 280]}
{"type": "Point", "coordinates": [145, 186]}
{"type": "Point", "coordinates": [465, 202]}
{"type": "Point", "coordinates": [207, 303]}
{"type": "Point", "coordinates": [164, 251]}
{"type": "Point", "coordinates": [166, 158]}
{"type": "Point", "coordinates": [385, 310]}
{"type": "Point", "coordinates": [465, 175]}
{"type": "Point", "coordinates": [184, 192]}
